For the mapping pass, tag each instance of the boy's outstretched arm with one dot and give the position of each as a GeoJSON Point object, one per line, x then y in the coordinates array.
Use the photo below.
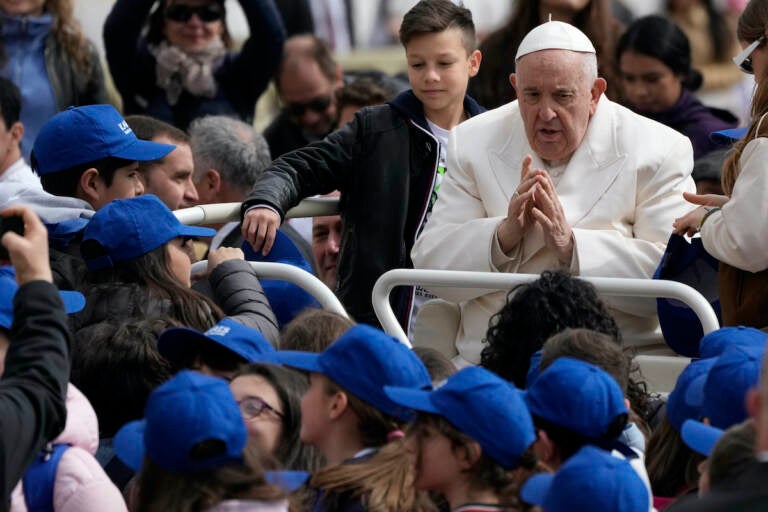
{"type": "Point", "coordinates": [33, 386]}
{"type": "Point", "coordinates": [319, 168]}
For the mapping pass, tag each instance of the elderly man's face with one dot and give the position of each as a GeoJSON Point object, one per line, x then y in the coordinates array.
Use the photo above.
{"type": "Point", "coordinates": [556, 101]}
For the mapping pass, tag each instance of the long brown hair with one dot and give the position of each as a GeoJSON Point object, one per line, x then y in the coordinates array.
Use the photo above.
{"type": "Point", "coordinates": [752, 26]}
{"type": "Point", "coordinates": [160, 490]}
{"type": "Point", "coordinates": [383, 482]}
{"type": "Point", "coordinates": [68, 33]}
{"type": "Point", "coordinates": [672, 466]}
{"type": "Point", "coordinates": [151, 271]}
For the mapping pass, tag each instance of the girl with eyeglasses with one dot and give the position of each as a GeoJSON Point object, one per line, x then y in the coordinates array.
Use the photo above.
{"type": "Point", "coordinates": [44, 52]}
{"type": "Point", "coordinates": [174, 59]}
{"type": "Point", "coordinates": [734, 226]}
{"type": "Point", "coordinates": [269, 397]}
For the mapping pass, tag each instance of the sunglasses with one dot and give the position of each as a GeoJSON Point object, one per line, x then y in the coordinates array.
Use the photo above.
{"type": "Point", "coordinates": [319, 104]}
{"type": "Point", "coordinates": [183, 13]}
{"type": "Point", "coordinates": [744, 59]}
{"type": "Point", "coordinates": [253, 406]}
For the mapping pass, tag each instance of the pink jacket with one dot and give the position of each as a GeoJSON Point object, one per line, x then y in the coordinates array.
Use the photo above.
{"type": "Point", "coordinates": [81, 484]}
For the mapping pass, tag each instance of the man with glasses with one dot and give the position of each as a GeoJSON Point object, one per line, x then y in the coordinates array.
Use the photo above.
{"type": "Point", "coordinates": [306, 82]}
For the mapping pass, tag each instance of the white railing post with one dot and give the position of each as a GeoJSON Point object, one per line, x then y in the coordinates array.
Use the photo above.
{"type": "Point", "coordinates": [229, 212]}
{"type": "Point", "coordinates": [292, 274]}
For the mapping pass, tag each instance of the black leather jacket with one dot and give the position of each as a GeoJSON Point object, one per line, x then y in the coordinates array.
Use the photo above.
{"type": "Point", "coordinates": [384, 163]}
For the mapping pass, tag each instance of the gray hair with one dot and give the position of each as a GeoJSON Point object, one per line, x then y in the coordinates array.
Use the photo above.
{"type": "Point", "coordinates": [589, 67]}
{"type": "Point", "coordinates": [230, 146]}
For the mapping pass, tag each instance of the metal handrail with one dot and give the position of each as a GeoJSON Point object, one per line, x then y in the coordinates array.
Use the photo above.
{"type": "Point", "coordinates": [292, 274]}
{"type": "Point", "coordinates": [612, 286]}
{"type": "Point", "coordinates": [228, 212]}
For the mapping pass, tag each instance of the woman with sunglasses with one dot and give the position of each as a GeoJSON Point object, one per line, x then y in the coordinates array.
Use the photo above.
{"type": "Point", "coordinates": [270, 402]}
{"type": "Point", "coordinates": [734, 227]}
{"type": "Point", "coordinates": [184, 67]}
{"type": "Point", "coordinates": [44, 52]}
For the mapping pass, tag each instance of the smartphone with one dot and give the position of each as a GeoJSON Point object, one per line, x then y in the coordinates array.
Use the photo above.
{"type": "Point", "coordinates": [15, 224]}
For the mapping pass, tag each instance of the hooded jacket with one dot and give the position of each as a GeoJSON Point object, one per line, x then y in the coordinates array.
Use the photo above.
{"type": "Point", "coordinates": [81, 484]}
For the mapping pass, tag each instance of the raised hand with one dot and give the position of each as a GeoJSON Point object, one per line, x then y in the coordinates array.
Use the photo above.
{"type": "Point", "coordinates": [28, 253]}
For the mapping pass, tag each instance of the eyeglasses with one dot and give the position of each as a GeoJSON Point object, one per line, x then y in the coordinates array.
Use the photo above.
{"type": "Point", "coordinates": [319, 104]}
{"type": "Point", "coordinates": [183, 13]}
{"type": "Point", "coordinates": [253, 406]}
{"type": "Point", "coordinates": [744, 59]}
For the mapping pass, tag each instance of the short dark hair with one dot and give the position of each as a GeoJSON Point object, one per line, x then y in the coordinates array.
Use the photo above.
{"type": "Point", "coordinates": [592, 347]}
{"type": "Point", "coordinates": [10, 102]}
{"type": "Point", "coordinates": [311, 47]}
{"type": "Point", "coordinates": [534, 312]}
{"type": "Point", "coordinates": [432, 16]}
{"type": "Point", "coordinates": [147, 128]}
{"type": "Point", "coordinates": [364, 92]}
{"type": "Point", "coordinates": [64, 183]}
{"type": "Point", "coordinates": [659, 37]}
{"type": "Point", "coordinates": [105, 350]}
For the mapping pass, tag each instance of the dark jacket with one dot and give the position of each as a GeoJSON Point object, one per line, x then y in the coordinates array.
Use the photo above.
{"type": "Point", "coordinates": [384, 164]}
{"type": "Point", "coordinates": [696, 121]}
{"type": "Point", "coordinates": [34, 384]}
{"type": "Point", "coordinates": [242, 77]}
{"type": "Point", "coordinates": [297, 16]}
{"type": "Point", "coordinates": [750, 495]}
{"type": "Point", "coordinates": [233, 287]}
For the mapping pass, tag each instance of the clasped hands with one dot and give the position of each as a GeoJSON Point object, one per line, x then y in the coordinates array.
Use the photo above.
{"type": "Point", "coordinates": [536, 202]}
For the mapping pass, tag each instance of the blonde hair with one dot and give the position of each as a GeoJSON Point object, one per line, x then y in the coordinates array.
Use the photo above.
{"type": "Point", "coordinates": [752, 26]}
{"type": "Point", "coordinates": [384, 482]}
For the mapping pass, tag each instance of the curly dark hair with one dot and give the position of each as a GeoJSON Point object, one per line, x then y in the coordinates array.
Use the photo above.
{"type": "Point", "coordinates": [534, 312]}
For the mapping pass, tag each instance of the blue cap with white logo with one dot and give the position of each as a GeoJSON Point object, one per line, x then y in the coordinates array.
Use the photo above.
{"type": "Point", "coordinates": [80, 135]}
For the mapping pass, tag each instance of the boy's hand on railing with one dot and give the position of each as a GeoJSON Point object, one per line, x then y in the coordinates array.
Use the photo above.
{"type": "Point", "coordinates": [260, 227]}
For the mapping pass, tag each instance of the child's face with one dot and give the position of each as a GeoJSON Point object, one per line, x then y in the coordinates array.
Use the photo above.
{"type": "Point", "coordinates": [439, 69]}
{"type": "Point", "coordinates": [126, 184]}
{"type": "Point", "coordinates": [262, 422]}
{"type": "Point", "coordinates": [438, 466]}
{"type": "Point", "coordinates": [177, 259]}
{"type": "Point", "coordinates": [315, 404]}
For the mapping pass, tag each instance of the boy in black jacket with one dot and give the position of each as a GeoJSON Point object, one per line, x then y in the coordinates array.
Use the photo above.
{"type": "Point", "coordinates": [388, 162]}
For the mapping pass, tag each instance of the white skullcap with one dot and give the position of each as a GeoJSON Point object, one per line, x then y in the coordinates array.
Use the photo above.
{"type": "Point", "coordinates": [555, 35]}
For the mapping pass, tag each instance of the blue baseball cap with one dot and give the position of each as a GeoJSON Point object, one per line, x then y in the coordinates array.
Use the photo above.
{"type": "Point", "coordinates": [700, 437]}
{"type": "Point", "coordinates": [730, 135]}
{"type": "Point", "coordinates": [577, 396]}
{"type": "Point", "coordinates": [185, 411]}
{"type": "Point", "coordinates": [533, 368]}
{"type": "Point", "coordinates": [716, 342]}
{"type": "Point", "coordinates": [80, 135]}
{"type": "Point", "coordinates": [248, 343]}
{"type": "Point", "coordinates": [362, 361]}
{"type": "Point", "coordinates": [73, 301]}
{"type": "Point", "coordinates": [128, 228]}
{"type": "Point", "coordinates": [721, 392]}
{"type": "Point", "coordinates": [483, 406]}
{"type": "Point", "coordinates": [591, 480]}
{"type": "Point", "coordinates": [678, 410]}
